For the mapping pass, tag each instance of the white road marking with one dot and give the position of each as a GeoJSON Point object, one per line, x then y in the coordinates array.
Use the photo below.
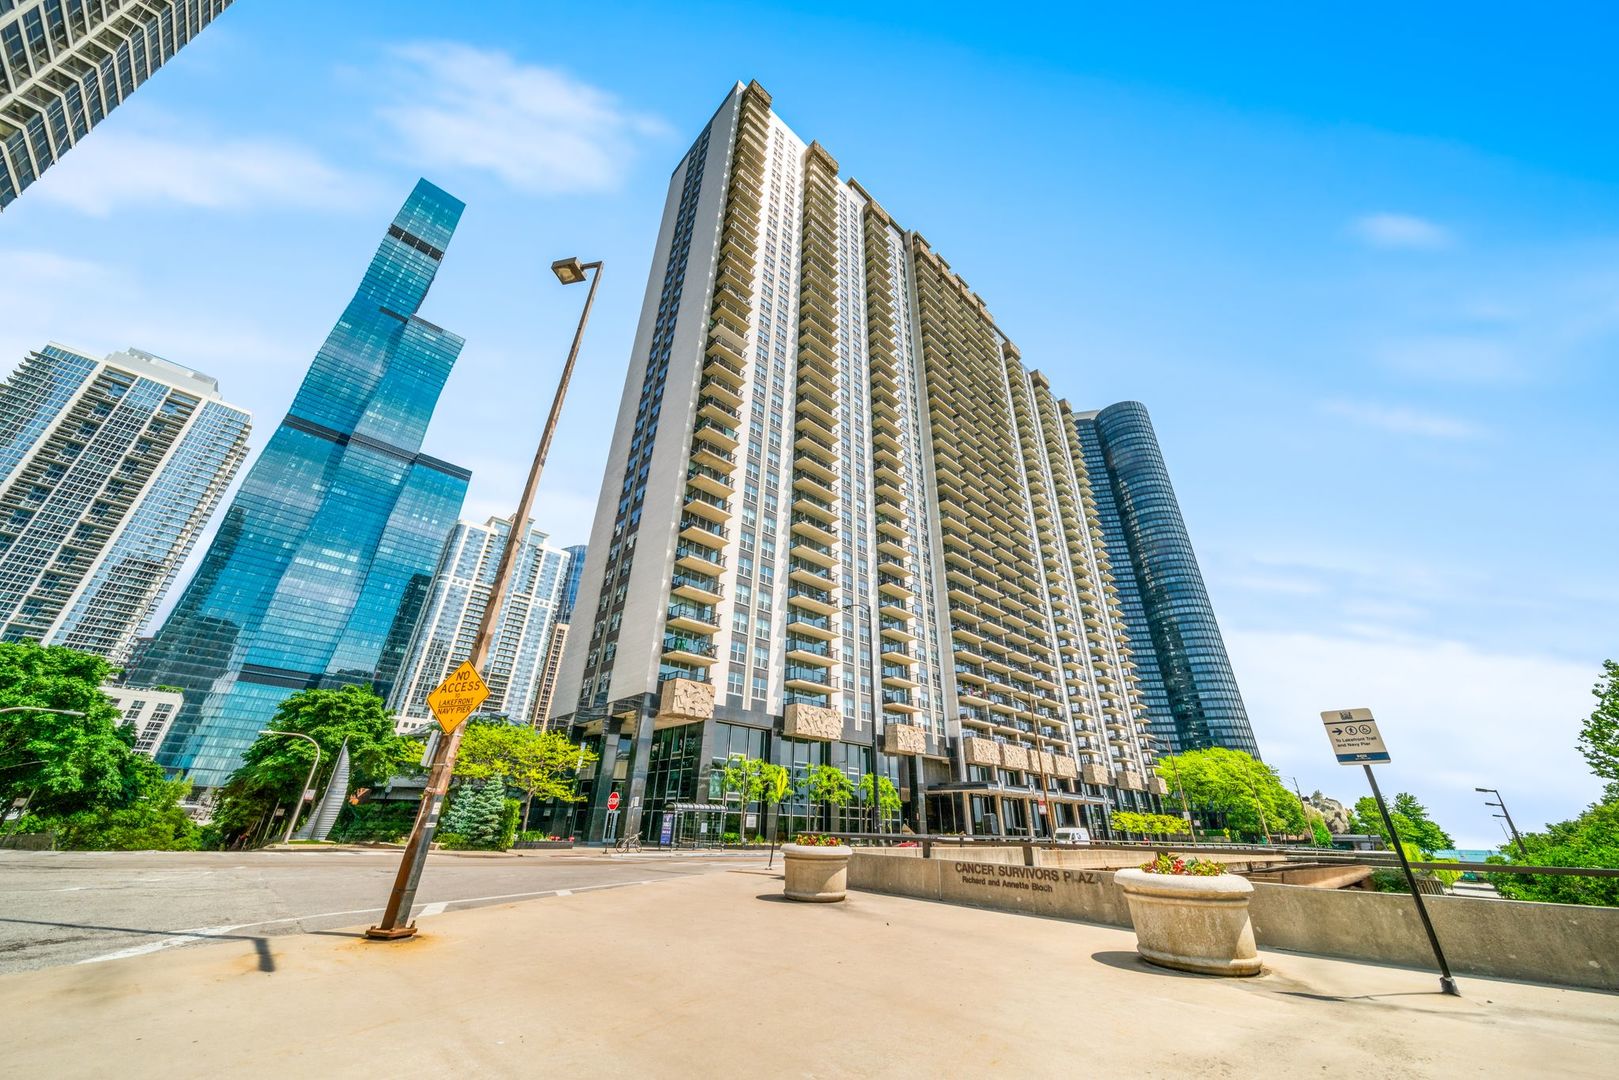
{"type": "Point", "coordinates": [171, 938]}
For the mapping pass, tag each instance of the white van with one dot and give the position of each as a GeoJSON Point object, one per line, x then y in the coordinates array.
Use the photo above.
{"type": "Point", "coordinates": [1072, 836]}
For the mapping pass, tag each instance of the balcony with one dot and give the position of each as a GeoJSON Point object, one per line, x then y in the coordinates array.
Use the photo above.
{"type": "Point", "coordinates": [814, 527]}
{"type": "Point", "coordinates": [816, 600]}
{"type": "Point", "coordinates": [697, 587]}
{"type": "Point", "coordinates": [699, 530]}
{"type": "Point", "coordinates": [702, 504]}
{"type": "Point", "coordinates": [805, 623]}
{"type": "Point", "coordinates": [700, 618]}
{"type": "Point", "coordinates": [715, 433]}
{"type": "Point", "coordinates": [697, 557]}
{"type": "Point", "coordinates": [685, 649]}
{"type": "Point", "coordinates": [809, 651]}
{"type": "Point", "coordinates": [709, 480]}
{"type": "Point", "coordinates": [806, 677]}
{"type": "Point", "coordinates": [805, 572]}
{"type": "Point", "coordinates": [821, 509]}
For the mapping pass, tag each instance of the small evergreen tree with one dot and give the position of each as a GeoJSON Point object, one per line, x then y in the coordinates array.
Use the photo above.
{"type": "Point", "coordinates": [478, 814]}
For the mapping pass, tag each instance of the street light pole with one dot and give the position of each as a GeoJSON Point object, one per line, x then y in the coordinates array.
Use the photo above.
{"type": "Point", "coordinates": [396, 918]}
{"type": "Point", "coordinates": [1523, 853]}
{"type": "Point", "coordinates": [309, 781]}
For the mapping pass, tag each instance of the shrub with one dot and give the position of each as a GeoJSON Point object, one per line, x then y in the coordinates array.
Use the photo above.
{"type": "Point", "coordinates": [374, 823]}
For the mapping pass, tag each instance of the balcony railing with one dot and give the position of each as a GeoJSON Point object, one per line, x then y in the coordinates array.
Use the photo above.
{"type": "Point", "coordinates": [681, 643]}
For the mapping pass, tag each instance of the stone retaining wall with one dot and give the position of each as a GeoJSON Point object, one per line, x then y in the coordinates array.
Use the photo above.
{"type": "Point", "coordinates": [1559, 944]}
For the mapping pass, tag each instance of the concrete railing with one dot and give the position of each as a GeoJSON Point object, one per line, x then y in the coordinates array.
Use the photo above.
{"type": "Point", "coordinates": [1558, 944]}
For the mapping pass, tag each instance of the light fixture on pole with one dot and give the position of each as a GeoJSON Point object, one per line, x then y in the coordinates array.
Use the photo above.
{"type": "Point", "coordinates": [1523, 853]}
{"type": "Point", "coordinates": [396, 922]}
{"type": "Point", "coordinates": [309, 781]}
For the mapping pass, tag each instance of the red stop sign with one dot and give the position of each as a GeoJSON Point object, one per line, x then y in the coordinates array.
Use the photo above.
{"type": "Point", "coordinates": [612, 801]}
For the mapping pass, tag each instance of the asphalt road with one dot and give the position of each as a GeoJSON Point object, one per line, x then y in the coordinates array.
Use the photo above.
{"type": "Point", "coordinates": [83, 907]}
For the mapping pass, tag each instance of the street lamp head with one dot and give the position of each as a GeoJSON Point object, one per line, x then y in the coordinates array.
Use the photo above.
{"type": "Point", "coordinates": [1484, 789]}
{"type": "Point", "coordinates": [569, 271]}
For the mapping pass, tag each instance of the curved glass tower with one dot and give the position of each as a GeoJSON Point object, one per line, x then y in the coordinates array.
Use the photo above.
{"type": "Point", "coordinates": [322, 561]}
{"type": "Point", "coordinates": [1186, 679]}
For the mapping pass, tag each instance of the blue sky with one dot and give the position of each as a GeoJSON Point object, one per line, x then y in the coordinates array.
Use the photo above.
{"type": "Point", "coordinates": [1363, 269]}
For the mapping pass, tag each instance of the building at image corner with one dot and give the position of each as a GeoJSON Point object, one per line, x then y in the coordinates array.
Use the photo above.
{"type": "Point", "coordinates": [109, 471]}
{"type": "Point", "coordinates": [65, 64]}
{"type": "Point", "coordinates": [454, 608]}
{"type": "Point", "coordinates": [325, 555]}
{"type": "Point", "coordinates": [837, 498]}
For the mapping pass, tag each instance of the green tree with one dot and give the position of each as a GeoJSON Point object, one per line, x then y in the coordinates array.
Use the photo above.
{"type": "Point", "coordinates": [826, 786]}
{"type": "Point", "coordinates": [775, 784]}
{"type": "Point", "coordinates": [887, 794]}
{"type": "Point", "coordinates": [83, 779]}
{"type": "Point", "coordinates": [66, 764]}
{"type": "Point", "coordinates": [1410, 819]}
{"type": "Point", "coordinates": [743, 775]}
{"type": "Point", "coordinates": [540, 764]}
{"type": "Point", "coordinates": [1599, 735]}
{"type": "Point", "coordinates": [1247, 792]}
{"type": "Point", "coordinates": [1590, 840]}
{"type": "Point", "coordinates": [477, 815]}
{"type": "Point", "coordinates": [274, 767]}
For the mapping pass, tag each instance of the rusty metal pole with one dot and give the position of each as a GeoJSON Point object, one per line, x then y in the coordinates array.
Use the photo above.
{"type": "Point", "coordinates": [396, 922]}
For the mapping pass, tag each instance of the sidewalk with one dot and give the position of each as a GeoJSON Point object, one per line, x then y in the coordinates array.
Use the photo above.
{"type": "Point", "coordinates": [717, 976]}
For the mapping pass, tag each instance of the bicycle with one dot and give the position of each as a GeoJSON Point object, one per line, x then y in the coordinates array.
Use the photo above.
{"type": "Point", "coordinates": [628, 845]}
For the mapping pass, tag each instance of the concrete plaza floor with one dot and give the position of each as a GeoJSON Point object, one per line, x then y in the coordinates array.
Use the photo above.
{"type": "Point", "coordinates": [716, 976]}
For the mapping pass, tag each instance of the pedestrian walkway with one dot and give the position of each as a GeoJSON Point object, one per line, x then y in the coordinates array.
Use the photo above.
{"type": "Point", "coordinates": [717, 976]}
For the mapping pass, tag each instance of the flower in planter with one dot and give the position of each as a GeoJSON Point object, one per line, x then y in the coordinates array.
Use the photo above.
{"type": "Point", "coordinates": [817, 840]}
{"type": "Point", "coordinates": [1165, 863]}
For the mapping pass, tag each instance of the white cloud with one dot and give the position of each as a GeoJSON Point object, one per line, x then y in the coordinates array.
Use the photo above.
{"type": "Point", "coordinates": [1400, 231]}
{"type": "Point", "coordinates": [538, 129]}
{"type": "Point", "coordinates": [1454, 358]}
{"type": "Point", "coordinates": [111, 170]}
{"type": "Point", "coordinates": [1404, 421]}
{"type": "Point", "coordinates": [1455, 717]}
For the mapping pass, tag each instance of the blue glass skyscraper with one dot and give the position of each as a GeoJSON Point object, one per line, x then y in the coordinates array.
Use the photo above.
{"type": "Point", "coordinates": [1187, 683]}
{"type": "Point", "coordinates": [318, 572]}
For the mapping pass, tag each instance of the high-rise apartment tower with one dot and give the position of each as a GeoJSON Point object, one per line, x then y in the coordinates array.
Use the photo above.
{"type": "Point", "coordinates": [109, 470]}
{"type": "Point", "coordinates": [1187, 684]}
{"type": "Point", "coordinates": [65, 64]}
{"type": "Point", "coordinates": [836, 498]}
{"type": "Point", "coordinates": [454, 608]}
{"type": "Point", "coordinates": [323, 559]}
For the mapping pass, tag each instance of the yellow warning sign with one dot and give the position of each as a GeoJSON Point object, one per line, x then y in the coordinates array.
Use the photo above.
{"type": "Point", "coordinates": [457, 697]}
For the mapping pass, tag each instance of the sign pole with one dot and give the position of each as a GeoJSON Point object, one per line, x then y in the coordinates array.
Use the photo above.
{"type": "Point", "coordinates": [1446, 983]}
{"type": "Point", "coordinates": [464, 690]}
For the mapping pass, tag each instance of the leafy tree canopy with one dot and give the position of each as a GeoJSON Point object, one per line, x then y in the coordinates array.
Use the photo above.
{"type": "Point", "coordinates": [541, 764]}
{"type": "Point", "coordinates": [827, 785]}
{"type": "Point", "coordinates": [68, 763]}
{"type": "Point", "coordinates": [1247, 791]}
{"type": "Point", "coordinates": [1592, 840]}
{"type": "Point", "coordinates": [87, 784]}
{"type": "Point", "coordinates": [274, 767]}
{"type": "Point", "coordinates": [1599, 736]}
{"type": "Point", "coordinates": [1150, 824]}
{"type": "Point", "coordinates": [1410, 818]}
{"type": "Point", "coordinates": [887, 793]}
{"type": "Point", "coordinates": [775, 782]}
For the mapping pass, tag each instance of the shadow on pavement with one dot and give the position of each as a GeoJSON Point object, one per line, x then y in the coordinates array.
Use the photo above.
{"type": "Point", "coordinates": [261, 945]}
{"type": "Point", "coordinates": [1130, 961]}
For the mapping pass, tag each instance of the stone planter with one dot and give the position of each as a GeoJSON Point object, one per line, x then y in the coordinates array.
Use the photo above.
{"type": "Point", "coordinates": [816, 874]}
{"type": "Point", "coordinates": [1192, 923]}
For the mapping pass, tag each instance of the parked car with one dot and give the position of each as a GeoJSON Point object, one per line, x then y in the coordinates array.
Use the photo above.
{"type": "Point", "coordinates": [1072, 836]}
